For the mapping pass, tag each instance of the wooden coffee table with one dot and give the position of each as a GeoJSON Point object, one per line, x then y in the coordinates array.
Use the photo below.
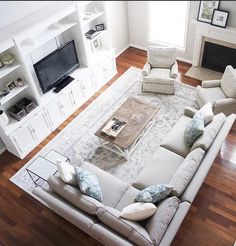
{"type": "Point", "coordinates": [139, 117]}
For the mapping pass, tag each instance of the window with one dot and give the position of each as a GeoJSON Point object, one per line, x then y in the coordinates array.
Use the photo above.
{"type": "Point", "coordinates": [168, 22]}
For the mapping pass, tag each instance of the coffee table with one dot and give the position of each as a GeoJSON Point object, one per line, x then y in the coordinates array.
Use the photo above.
{"type": "Point", "coordinates": [139, 117]}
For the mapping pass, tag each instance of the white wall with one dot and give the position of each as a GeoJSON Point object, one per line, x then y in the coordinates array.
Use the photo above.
{"type": "Point", "coordinates": [137, 16]}
{"type": "Point", "coordinates": [118, 18]}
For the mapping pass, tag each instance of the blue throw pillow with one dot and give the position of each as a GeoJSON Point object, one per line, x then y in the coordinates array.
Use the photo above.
{"type": "Point", "coordinates": [88, 183]}
{"type": "Point", "coordinates": [194, 129]}
{"type": "Point", "coordinates": [154, 193]}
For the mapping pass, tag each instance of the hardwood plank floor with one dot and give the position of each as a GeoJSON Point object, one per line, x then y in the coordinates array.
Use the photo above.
{"type": "Point", "coordinates": [211, 219]}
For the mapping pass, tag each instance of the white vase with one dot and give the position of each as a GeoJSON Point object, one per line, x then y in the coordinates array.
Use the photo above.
{"type": "Point", "coordinates": [4, 117]}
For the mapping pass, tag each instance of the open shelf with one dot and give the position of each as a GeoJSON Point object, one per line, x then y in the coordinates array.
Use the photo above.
{"type": "Point", "coordinates": [8, 69]}
{"type": "Point", "coordinates": [97, 36]}
{"type": "Point", "coordinates": [92, 17]}
{"type": "Point", "coordinates": [12, 94]}
{"type": "Point", "coordinates": [30, 44]}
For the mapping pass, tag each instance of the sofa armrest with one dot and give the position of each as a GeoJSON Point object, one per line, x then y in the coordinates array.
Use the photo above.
{"type": "Point", "coordinates": [211, 83]}
{"type": "Point", "coordinates": [146, 69]}
{"type": "Point", "coordinates": [174, 70]}
{"type": "Point", "coordinates": [190, 112]}
{"type": "Point", "coordinates": [226, 105]}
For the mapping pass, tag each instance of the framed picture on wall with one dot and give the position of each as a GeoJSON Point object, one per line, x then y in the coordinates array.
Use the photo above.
{"type": "Point", "coordinates": [205, 11]}
{"type": "Point", "coordinates": [96, 44]}
{"type": "Point", "coordinates": [220, 18]}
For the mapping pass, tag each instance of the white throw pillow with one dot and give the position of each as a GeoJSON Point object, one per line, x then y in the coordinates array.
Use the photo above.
{"type": "Point", "coordinates": [206, 112]}
{"type": "Point", "coordinates": [66, 172]}
{"type": "Point", "coordinates": [228, 82]}
{"type": "Point", "coordinates": [138, 211]}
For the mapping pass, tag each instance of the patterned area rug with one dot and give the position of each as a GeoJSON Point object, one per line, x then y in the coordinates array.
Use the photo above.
{"type": "Point", "coordinates": [78, 141]}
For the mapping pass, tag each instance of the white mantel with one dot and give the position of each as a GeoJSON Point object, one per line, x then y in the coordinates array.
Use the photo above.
{"type": "Point", "coordinates": [204, 30]}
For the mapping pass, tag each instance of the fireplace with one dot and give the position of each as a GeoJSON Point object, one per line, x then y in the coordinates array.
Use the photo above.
{"type": "Point", "coordinates": [217, 57]}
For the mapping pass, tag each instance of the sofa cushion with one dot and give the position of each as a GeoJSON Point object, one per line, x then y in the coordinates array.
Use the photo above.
{"type": "Point", "coordinates": [194, 129]}
{"type": "Point", "coordinates": [112, 188]}
{"type": "Point", "coordinates": [158, 76]}
{"type": "Point", "coordinates": [66, 172]}
{"type": "Point", "coordinates": [210, 94]}
{"type": "Point", "coordinates": [228, 82]}
{"type": "Point", "coordinates": [138, 211]}
{"type": "Point", "coordinates": [186, 171]}
{"type": "Point", "coordinates": [129, 229]}
{"type": "Point", "coordinates": [128, 198]}
{"type": "Point", "coordinates": [163, 165]}
{"type": "Point", "coordinates": [154, 193]}
{"type": "Point", "coordinates": [158, 223]}
{"type": "Point", "coordinates": [174, 141]}
{"type": "Point", "coordinates": [73, 195]}
{"type": "Point", "coordinates": [210, 132]}
{"type": "Point", "coordinates": [88, 183]}
{"type": "Point", "coordinates": [163, 57]}
{"type": "Point", "coordinates": [207, 113]}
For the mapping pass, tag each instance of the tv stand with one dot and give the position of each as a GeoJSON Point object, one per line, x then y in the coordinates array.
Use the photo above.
{"type": "Point", "coordinates": [63, 84]}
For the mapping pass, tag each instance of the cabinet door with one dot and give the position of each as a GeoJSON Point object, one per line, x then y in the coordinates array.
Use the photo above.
{"type": "Point", "coordinates": [76, 94]}
{"type": "Point", "coordinates": [87, 86]}
{"type": "Point", "coordinates": [97, 77]}
{"type": "Point", "coordinates": [40, 126]}
{"type": "Point", "coordinates": [108, 68]}
{"type": "Point", "coordinates": [54, 113]}
{"type": "Point", "coordinates": [67, 105]}
{"type": "Point", "coordinates": [23, 138]}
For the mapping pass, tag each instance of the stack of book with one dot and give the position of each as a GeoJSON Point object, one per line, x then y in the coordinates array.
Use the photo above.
{"type": "Point", "coordinates": [91, 34]}
{"type": "Point", "coordinates": [113, 127]}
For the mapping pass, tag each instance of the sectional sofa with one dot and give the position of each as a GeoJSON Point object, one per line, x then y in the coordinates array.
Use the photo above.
{"type": "Point", "coordinates": [173, 163]}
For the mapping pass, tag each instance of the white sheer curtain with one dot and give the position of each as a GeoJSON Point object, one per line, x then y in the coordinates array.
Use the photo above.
{"type": "Point", "coordinates": [168, 22]}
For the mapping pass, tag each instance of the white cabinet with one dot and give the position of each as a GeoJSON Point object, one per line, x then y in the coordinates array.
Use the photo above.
{"type": "Point", "coordinates": [54, 113]}
{"type": "Point", "coordinates": [97, 77]}
{"type": "Point", "coordinates": [67, 104]}
{"type": "Point", "coordinates": [27, 136]}
{"type": "Point", "coordinates": [108, 67]}
{"type": "Point", "coordinates": [87, 87]}
{"type": "Point", "coordinates": [76, 94]}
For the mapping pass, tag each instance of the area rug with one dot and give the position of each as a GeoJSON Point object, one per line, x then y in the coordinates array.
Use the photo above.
{"type": "Point", "coordinates": [202, 73]}
{"type": "Point", "coordinates": [77, 141]}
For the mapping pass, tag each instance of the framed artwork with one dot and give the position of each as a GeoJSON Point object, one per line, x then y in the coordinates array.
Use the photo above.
{"type": "Point", "coordinates": [10, 86]}
{"type": "Point", "coordinates": [205, 11]}
{"type": "Point", "coordinates": [220, 18]}
{"type": "Point", "coordinates": [96, 44]}
{"type": "Point", "coordinates": [99, 27]}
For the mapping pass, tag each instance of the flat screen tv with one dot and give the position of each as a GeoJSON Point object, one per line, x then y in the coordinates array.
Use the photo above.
{"type": "Point", "coordinates": [53, 69]}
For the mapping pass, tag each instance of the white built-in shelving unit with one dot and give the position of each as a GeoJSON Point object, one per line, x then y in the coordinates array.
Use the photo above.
{"type": "Point", "coordinates": [31, 39]}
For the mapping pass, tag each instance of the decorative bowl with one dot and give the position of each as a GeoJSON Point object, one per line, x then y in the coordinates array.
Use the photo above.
{"type": "Point", "coordinates": [8, 59]}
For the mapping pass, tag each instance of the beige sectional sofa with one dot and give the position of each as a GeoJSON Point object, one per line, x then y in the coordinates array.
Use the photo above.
{"type": "Point", "coordinates": [173, 163]}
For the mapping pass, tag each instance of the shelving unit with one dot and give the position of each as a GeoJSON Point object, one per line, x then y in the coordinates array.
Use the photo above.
{"type": "Point", "coordinates": [8, 69]}
{"type": "Point", "coordinates": [92, 18]}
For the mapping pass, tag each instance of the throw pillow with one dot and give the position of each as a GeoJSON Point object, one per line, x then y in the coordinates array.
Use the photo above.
{"type": "Point", "coordinates": [88, 183]}
{"type": "Point", "coordinates": [154, 193]}
{"type": "Point", "coordinates": [138, 211]}
{"type": "Point", "coordinates": [66, 172]}
{"type": "Point", "coordinates": [194, 129]}
{"type": "Point", "coordinates": [228, 82]}
{"type": "Point", "coordinates": [206, 112]}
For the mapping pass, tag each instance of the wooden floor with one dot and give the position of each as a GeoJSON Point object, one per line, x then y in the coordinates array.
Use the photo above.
{"type": "Point", "coordinates": [211, 219]}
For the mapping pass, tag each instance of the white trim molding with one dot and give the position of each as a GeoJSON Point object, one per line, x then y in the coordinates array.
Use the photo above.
{"type": "Point", "coordinates": [123, 50]}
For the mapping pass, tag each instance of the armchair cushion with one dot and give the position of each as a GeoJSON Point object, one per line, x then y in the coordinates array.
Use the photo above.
{"type": "Point", "coordinates": [146, 69]}
{"type": "Point", "coordinates": [159, 76]}
{"type": "Point", "coordinates": [211, 83]}
{"type": "Point", "coordinates": [228, 82]}
{"type": "Point", "coordinates": [174, 71]}
{"type": "Point", "coordinates": [162, 57]}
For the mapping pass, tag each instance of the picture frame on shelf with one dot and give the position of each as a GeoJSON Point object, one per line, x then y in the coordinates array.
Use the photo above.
{"type": "Point", "coordinates": [96, 44]}
{"type": "Point", "coordinates": [99, 27]}
{"type": "Point", "coordinates": [206, 9]}
{"type": "Point", "coordinates": [10, 86]}
{"type": "Point", "coordinates": [220, 18]}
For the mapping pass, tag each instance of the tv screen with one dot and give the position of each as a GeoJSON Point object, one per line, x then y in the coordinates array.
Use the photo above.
{"type": "Point", "coordinates": [56, 66]}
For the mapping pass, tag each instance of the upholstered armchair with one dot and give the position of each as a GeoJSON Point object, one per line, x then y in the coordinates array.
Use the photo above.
{"type": "Point", "coordinates": [160, 71]}
{"type": "Point", "coordinates": [221, 93]}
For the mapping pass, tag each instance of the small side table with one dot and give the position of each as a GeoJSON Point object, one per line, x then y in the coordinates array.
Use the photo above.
{"type": "Point", "coordinates": [44, 166]}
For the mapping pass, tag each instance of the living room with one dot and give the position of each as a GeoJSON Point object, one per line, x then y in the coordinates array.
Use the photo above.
{"type": "Point", "coordinates": [117, 122]}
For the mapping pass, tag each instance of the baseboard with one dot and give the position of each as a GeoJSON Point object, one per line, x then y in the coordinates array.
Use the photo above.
{"type": "Point", "coordinates": [138, 47]}
{"type": "Point", "coordinates": [123, 50]}
{"type": "Point", "coordinates": [3, 150]}
{"type": "Point", "coordinates": [184, 60]}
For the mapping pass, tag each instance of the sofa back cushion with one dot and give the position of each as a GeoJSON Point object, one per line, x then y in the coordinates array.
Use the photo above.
{"type": "Point", "coordinates": [73, 195]}
{"type": "Point", "coordinates": [210, 132]}
{"type": "Point", "coordinates": [161, 57]}
{"type": "Point", "coordinates": [129, 229]}
{"type": "Point", "coordinates": [228, 82]}
{"type": "Point", "coordinates": [157, 225]}
{"type": "Point", "coordinates": [186, 171]}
